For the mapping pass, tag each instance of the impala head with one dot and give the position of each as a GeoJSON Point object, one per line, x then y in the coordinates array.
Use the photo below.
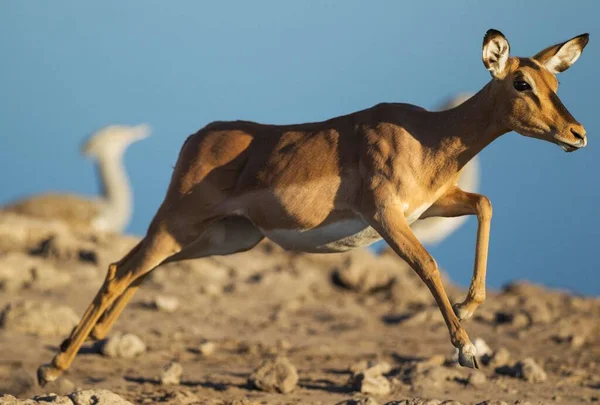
{"type": "Point", "coordinates": [525, 90]}
{"type": "Point", "coordinates": [113, 140]}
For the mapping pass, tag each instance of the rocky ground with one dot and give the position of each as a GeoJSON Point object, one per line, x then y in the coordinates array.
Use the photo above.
{"type": "Point", "coordinates": [269, 327]}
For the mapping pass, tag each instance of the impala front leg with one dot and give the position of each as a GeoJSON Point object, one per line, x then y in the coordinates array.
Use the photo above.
{"type": "Point", "coordinates": [457, 202]}
{"type": "Point", "coordinates": [393, 227]}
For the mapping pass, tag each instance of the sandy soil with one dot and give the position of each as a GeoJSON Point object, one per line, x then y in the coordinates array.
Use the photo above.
{"type": "Point", "coordinates": [221, 317]}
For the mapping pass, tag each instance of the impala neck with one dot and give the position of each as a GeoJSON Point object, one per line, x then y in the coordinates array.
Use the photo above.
{"type": "Point", "coordinates": [115, 190]}
{"type": "Point", "coordinates": [470, 127]}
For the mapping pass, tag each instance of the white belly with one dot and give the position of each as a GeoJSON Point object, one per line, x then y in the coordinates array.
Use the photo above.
{"type": "Point", "coordinates": [336, 237]}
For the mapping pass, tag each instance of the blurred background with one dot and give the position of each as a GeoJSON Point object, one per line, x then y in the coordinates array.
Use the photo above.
{"type": "Point", "coordinates": [69, 68]}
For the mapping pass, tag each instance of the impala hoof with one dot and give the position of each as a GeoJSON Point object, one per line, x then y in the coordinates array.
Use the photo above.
{"type": "Point", "coordinates": [467, 356]}
{"type": "Point", "coordinates": [47, 373]}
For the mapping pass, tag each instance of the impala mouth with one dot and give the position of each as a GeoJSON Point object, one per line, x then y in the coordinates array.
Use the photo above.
{"type": "Point", "coordinates": [570, 147]}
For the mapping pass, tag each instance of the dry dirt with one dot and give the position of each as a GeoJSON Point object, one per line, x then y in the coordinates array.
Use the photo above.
{"type": "Point", "coordinates": [342, 323]}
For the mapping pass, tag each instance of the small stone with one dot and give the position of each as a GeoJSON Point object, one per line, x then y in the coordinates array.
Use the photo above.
{"type": "Point", "coordinates": [51, 398]}
{"type": "Point", "coordinates": [212, 290]}
{"type": "Point", "coordinates": [166, 303]}
{"type": "Point", "coordinates": [180, 397]}
{"type": "Point", "coordinates": [207, 348]}
{"type": "Point", "coordinates": [424, 376]}
{"type": "Point", "coordinates": [359, 366]}
{"type": "Point", "coordinates": [38, 318]}
{"type": "Point", "coordinates": [416, 401]}
{"type": "Point", "coordinates": [123, 345]}
{"type": "Point", "coordinates": [359, 401]}
{"type": "Point", "coordinates": [482, 347]}
{"type": "Point", "coordinates": [275, 375]}
{"type": "Point", "coordinates": [520, 320]}
{"type": "Point", "coordinates": [97, 396]}
{"type": "Point", "coordinates": [530, 371]}
{"type": "Point", "coordinates": [577, 341]}
{"type": "Point", "coordinates": [489, 402]}
{"type": "Point", "coordinates": [371, 368]}
{"type": "Point", "coordinates": [375, 385]}
{"type": "Point", "coordinates": [501, 357]}
{"type": "Point", "coordinates": [171, 374]}
{"type": "Point", "coordinates": [476, 378]}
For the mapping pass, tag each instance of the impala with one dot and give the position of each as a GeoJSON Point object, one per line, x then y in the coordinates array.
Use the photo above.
{"type": "Point", "coordinates": [343, 183]}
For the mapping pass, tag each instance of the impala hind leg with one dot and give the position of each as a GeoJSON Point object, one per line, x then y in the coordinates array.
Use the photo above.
{"type": "Point", "coordinates": [142, 259]}
{"type": "Point", "coordinates": [226, 236]}
{"type": "Point", "coordinates": [457, 202]}
{"type": "Point", "coordinates": [393, 227]}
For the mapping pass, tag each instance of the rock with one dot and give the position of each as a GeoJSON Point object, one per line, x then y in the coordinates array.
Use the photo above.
{"type": "Point", "coordinates": [416, 401]}
{"type": "Point", "coordinates": [357, 277]}
{"type": "Point", "coordinates": [482, 347]}
{"type": "Point", "coordinates": [275, 375]}
{"type": "Point", "coordinates": [211, 289]}
{"type": "Point", "coordinates": [499, 358]}
{"type": "Point", "coordinates": [538, 311]}
{"type": "Point", "coordinates": [530, 371]}
{"type": "Point", "coordinates": [359, 401]}
{"type": "Point", "coordinates": [13, 275]}
{"type": "Point", "coordinates": [171, 374]}
{"type": "Point", "coordinates": [243, 401]}
{"type": "Point", "coordinates": [86, 397]}
{"type": "Point", "coordinates": [476, 378]}
{"type": "Point", "coordinates": [166, 303]}
{"type": "Point", "coordinates": [424, 376]}
{"type": "Point", "coordinates": [14, 380]}
{"type": "Point", "coordinates": [375, 385]}
{"type": "Point", "coordinates": [19, 270]}
{"type": "Point", "coordinates": [123, 345]}
{"type": "Point", "coordinates": [38, 318]}
{"type": "Point", "coordinates": [207, 348]}
{"type": "Point", "coordinates": [97, 397]}
{"type": "Point", "coordinates": [372, 368]}
{"type": "Point", "coordinates": [52, 399]}
{"type": "Point", "coordinates": [368, 377]}
{"type": "Point", "coordinates": [180, 397]}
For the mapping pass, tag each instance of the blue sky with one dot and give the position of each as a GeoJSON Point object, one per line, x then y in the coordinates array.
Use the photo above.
{"type": "Point", "coordinates": [70, 67]}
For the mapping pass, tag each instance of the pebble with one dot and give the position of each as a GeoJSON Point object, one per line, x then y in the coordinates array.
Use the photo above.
{"type": "Point", "coordinates": [166, 303]}
{"type": "Point", "coordinates": [123, 345]}
{"type": "Point", "coordinates": [171, 374]}
{"type": "Point", "coordinates": [482, 347]}
{"type": "Point", "coordinates": [207, 348]}
{"type": "Point", "coordinates": [375, 385]}
{"type": "Point", "coordinates": [275, 375]}
{"type": "Point", "coordinates": [530, 371]}
{"type": "Point", "coordinates": [476, 378]}
{"type": "Point", "coordinates": [38, 318]}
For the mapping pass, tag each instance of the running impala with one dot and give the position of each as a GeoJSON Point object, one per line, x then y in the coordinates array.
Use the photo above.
{"type": "Point", "coordinates": [343, 183]}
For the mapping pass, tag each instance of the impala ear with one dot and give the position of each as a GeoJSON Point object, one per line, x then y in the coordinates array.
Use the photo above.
{"type": "Point", "coordinates": [495, 53]}
{"type": "Point", "coordinates": [558, 58]}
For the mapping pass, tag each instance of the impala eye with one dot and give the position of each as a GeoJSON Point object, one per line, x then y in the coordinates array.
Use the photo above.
{"type": "Point", "coordinates": [521, 85]}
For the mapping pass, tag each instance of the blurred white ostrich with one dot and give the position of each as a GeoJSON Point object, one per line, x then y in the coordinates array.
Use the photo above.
{"type": "Point", "coordinates": [111, 211]}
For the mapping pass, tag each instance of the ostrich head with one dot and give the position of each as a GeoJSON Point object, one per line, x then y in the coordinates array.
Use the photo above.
{"type": "Point", "coordinates": [111, 141]}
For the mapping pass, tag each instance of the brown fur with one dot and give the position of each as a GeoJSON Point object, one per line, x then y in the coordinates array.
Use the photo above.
{"type": "Point", "coordinates": [381, 167]}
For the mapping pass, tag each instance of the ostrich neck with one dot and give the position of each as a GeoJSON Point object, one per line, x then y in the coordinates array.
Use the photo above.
{"type": "Point", "coordinates": [116, 192]}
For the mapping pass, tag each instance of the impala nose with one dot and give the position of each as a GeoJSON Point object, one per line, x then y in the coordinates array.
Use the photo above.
{"type": "Point", "coordinates": [579, 133]}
